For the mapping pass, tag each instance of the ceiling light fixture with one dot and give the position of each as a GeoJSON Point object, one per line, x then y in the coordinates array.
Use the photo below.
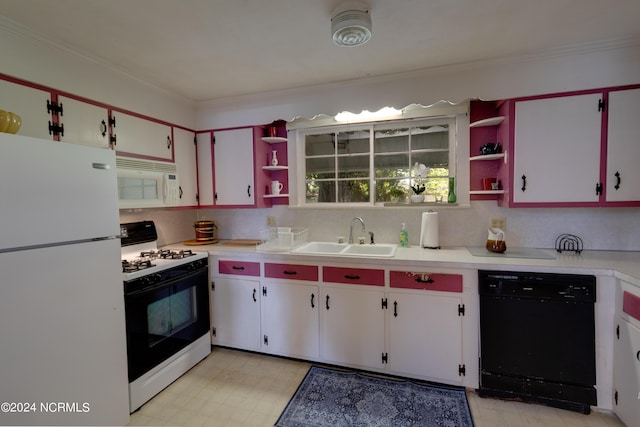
{"type": "Point", "coordinates": [351, 24]}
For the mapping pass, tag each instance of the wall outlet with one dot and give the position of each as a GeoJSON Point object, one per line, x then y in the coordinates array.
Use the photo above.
{"type": "Point", "coordinates": [499, 222]}
{"type": "Point", "coordinates": [271, 221]}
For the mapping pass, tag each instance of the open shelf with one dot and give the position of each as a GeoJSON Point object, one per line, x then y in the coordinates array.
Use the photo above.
{"type": "Point", "coordinates": [488, 157]}
{"type": "Point", "coordinates": [486, 192]}
{"type": "Point", "coordinates": [273, 139]}
{"type": "Point", "coordinates": [275, 168]}
{"type": "Point", "coordinates": [492, 121]}
{"type": "Point", "coordinates": [271, 196]}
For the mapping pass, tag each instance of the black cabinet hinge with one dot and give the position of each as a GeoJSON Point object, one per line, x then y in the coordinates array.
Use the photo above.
{"type": "Point", "coordinates": [460, 309]}
{"type": "Point", "coordinates": [213, 286]}
{"type": "Point", "coordinates": [213, 331]}
{"type": "Point", "coordinates": [197, 197]}
{"type": "Point", "coordinates": [112, 140]}
{"type": "Point", "coordinates": [195, 140]}
{"type": "Point", "coordinates": [602, 104]}
{"type": "Point", "coordinates": [264, 291]}
{"type": "Point", "coordinates": [598, 189]}
{"type": "Point", "coordinates": [215, 196]}
{"type": "Point", "coordinates": [384, 303]}
{"type": "Point", "coordinates": [53, 107]}
{"type": "Point", "coordinates": [618, 331]}
{"type": "Point", "coordinates": [55, 129]}
{"type": "Point", "coordinates": [615, 397]}
{"type": "Point", "coordinates": [385, 357]}
{"type": "Point", "coordinates": [462, 370]}
{"type": "Point", "coordinates": [266, 340]}
{"type": "Point", "coordinates": [112, 121]}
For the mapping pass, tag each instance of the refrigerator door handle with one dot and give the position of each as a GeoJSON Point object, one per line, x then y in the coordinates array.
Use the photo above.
{"type": "Point", "coordinates": [103, 166]}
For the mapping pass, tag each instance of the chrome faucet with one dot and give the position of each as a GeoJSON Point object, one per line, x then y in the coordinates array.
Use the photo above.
{"type": "Point", "coordinates": [351, 228]}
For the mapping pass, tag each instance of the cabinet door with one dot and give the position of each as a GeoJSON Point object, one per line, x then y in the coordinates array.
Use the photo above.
{"type": "Point", "coordinates": [30, 104]}
{"type": "Point", "coordinates": [557, 150]}
{"type": "Point", "coordinates": [425, 336]}
{"type": "Point", "coordinates": [185, 158]}
{"type": "Point", "coordinates": [205, 169]}
{"type": "Point", "coordinates": [236, 313]}
{"type": "Point", "coordinates": [143, 137]}
{"type": "Point", "coordinates": [290, 320]}
{"type": "Point", "coordinates": [233, 170]}
{"type": "Point", "coordinates": [84, 123]}
{"type": "Point", "coordinates": [623, 146]}
{"type": "Point", "coordinates": [352, 326]}
{"type": "Point", "coordinates": [626, 373]}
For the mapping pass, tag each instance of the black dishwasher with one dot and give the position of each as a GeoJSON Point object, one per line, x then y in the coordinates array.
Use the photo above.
{"type": "Point", "coordinates": [537, 338]}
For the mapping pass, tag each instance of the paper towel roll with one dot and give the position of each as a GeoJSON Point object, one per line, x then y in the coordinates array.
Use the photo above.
{"type": "Point", "coordinates": [429, 230]}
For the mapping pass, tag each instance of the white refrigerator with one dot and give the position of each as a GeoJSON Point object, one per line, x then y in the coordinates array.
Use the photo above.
{"type": "Point", "coordinates": [62, 326]}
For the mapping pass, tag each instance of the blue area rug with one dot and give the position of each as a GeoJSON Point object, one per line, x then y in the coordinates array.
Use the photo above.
{"type": "Point", "coordinates": [328, 397]}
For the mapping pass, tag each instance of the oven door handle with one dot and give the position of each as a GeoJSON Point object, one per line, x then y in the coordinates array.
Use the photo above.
{"type": "Point", "coordinates": [165, 284]}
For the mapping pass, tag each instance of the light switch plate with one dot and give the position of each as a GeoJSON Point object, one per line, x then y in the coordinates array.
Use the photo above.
{"type": "Point", "coordinates": [271, 221]}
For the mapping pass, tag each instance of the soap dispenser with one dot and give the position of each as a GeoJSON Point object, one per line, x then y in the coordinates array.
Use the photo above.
{"type": "Point", "coordinates": [404, 236]}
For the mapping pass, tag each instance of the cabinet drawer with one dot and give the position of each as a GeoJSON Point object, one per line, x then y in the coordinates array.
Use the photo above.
{"type": "Point", "coordinates": [243, 268]}
{"type": "Point", "coordinates": [355, 276]}
{"type": "Point", "coordinates": [291, 271]}
{"type": "Point", "coordinates": [426, 281]}
{"type": "Point", "coordinates": [631, 304]}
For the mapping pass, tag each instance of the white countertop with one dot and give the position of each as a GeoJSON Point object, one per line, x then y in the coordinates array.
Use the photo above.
{"type": "Point", "coordinates": [621, 264]}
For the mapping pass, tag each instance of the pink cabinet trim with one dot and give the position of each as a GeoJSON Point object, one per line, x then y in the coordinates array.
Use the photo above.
{"type": "Point", "coordinates": [291, 271]}
{"type": "Point", "coordinates": [354, 276]}
{"type": "Point", "coordinates": [243, 268]}
{"type": "Point", "coordinates": [631, 304]}
{"type": "Point", "coordinates": [426, 281]}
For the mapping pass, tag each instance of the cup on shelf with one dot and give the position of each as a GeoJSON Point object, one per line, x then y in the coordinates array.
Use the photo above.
{"type": "Point", "coordinates": [276, 187]}
{"type": "Point", "coordinates": [488, 183]}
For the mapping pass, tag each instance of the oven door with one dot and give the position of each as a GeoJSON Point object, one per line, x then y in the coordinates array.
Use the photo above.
{"type": "Point", "coordinates": [164, 319]}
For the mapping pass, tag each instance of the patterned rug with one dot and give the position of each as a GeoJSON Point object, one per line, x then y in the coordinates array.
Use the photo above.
{"type": "Point", "coordinates": [327, 397]}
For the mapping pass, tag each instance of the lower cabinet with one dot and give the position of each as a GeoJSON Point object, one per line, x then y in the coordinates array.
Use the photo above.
{"type": "Point", "coordinates": [425, 336]}
{"type": "Point", "coordinates": [290, 323]}
{"type": "Point", "coordinates": [401, 322]}
{"type": "Point", "coordinates": [626, 357]}
{"type": "Point", "coordinates": [352, 324]}
{"type": "Point", "coordinates": [236, 313]}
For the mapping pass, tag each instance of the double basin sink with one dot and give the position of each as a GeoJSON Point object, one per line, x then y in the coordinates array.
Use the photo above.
{"type": "Point", "coordinates": [380, 250]}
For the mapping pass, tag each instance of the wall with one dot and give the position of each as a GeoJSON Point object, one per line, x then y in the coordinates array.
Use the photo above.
{"type": "Point", "coordinates": [591, 66]}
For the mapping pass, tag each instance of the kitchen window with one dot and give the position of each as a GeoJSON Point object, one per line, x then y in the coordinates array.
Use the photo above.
{"type": "Point", "coordinates": [375, 163]}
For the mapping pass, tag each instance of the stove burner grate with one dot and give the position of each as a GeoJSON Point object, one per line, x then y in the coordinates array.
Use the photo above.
{"type": "Point", "coordinates": [137, 265]}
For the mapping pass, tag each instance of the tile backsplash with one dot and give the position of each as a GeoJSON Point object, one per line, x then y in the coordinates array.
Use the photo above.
{"type": "Point", "coordinates": [599, 228]}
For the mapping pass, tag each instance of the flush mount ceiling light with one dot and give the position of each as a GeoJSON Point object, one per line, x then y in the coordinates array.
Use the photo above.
{"type": "Point", "coordinates": [351, 24]}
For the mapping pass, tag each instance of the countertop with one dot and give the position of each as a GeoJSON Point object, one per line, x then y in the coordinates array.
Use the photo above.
{"type": "Point", "coordinates": [621, 264]}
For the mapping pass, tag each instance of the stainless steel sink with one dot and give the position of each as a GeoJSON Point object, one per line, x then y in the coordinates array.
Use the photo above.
{"type": "Point", "coordinates": [382, 250]}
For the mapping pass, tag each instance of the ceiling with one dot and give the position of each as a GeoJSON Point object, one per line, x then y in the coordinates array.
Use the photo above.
{"type": "Point", "coordinates": [209, 49]}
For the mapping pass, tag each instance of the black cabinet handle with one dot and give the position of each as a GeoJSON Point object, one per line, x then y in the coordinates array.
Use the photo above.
{"type": "Point", "coordinates": [395, 309]}
{"type": "Point", "coordinates": [524, 182]}
{"type": "Point", "coordinates": [254, 295]}
{"type": "Point", "coordinates": [249, 191]}
{"type": "Point", "coordinates": [103, 128]}
{"type": "Point", "coordinates": [617, 175]}
{"type": "Point", "coordinates": [313, 301]}
{"type": "Point", "coordinates": [289, 272]}
{"type": "Point", "coordinates": [352, 277]}
{"type": "Point", "coordinates": [236, 267]}
{"type": "Point", "coordinates": [427, 280]}
{"type": "Point", "coordinates": [327, 302]}
{"type": "Point", "coordinates": [180, 192]}
{"type": "Point", "coordinates": [168, 143]}
{"type": "Point", "coordinates": [638, 355]}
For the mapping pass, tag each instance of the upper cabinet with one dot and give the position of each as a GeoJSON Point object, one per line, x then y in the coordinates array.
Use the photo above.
{"type": "Point", "coordinates": [83, 123]}
{"type": "Point", "coordinates": [623, 146]}
{"type": "Point", "coordinates": [133, 135]}
{"type": "Point", "coordinates": [30, 104]}
{"type": "Point", "coordinates": [185, 159]}
{"type": "Point", "coordinates": [574, 150]}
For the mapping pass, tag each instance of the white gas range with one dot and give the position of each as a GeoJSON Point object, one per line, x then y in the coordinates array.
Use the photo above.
{"type": "Point", "coordinates": [166, 295]}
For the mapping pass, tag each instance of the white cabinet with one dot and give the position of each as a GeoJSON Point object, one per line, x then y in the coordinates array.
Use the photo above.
{"type": "Point", "coordinates": [626, 355]}
{"type": "Point", "coordinates": [557, 149]}
{"type": "Point", "coordinates": [425, 336]}
{"type": "Point", "coordinates": [142, 137]}
{"type": "Point", "coordinates": [234, 168]}
{"type": "Point", "coordinates": [623, 146]}
{"type": "Point", "coordinates": [290, 322]}
{"type": "Point", "coordinates": [185, 159]}
{"type": "Point", "coordinates": [84, 123]}
{"type": "Point", "coordinates": [205, 168]}
{"type": "Point", "coordinates": [30, 104]}
{"type": "Point", "coordinates": [353, 326]}
{"type": "Point", "coordinates": [236, 313]}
